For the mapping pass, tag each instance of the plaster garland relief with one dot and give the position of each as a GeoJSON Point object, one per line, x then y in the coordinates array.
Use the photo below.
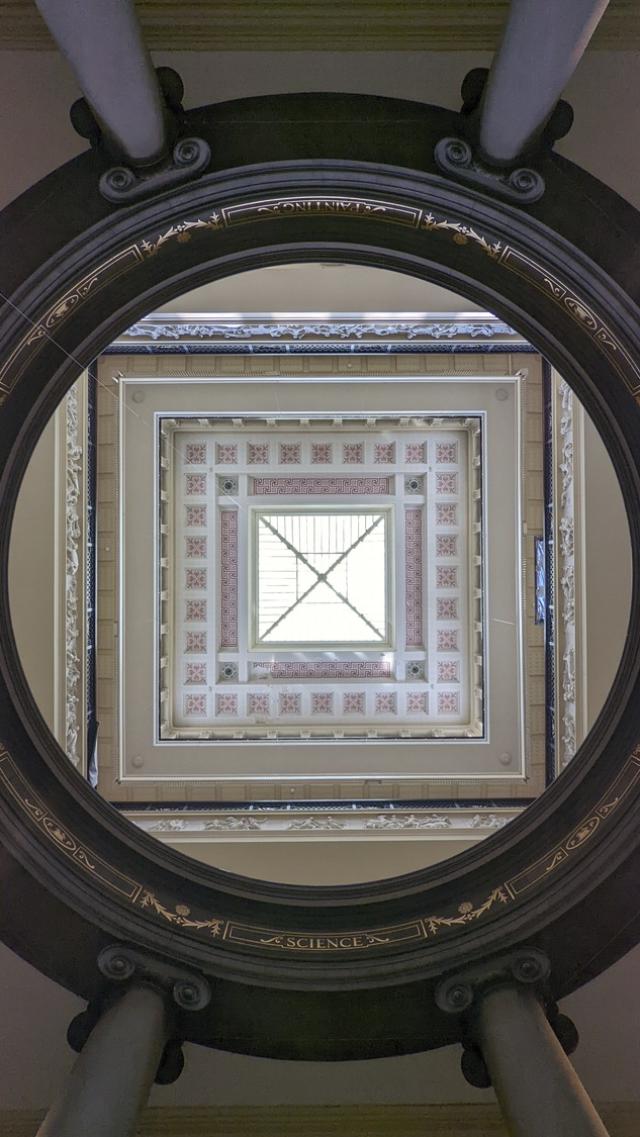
{"type": "Point", "coordinates": [565, 457]}
{"type": "Point", "coordinates": [74, 648]}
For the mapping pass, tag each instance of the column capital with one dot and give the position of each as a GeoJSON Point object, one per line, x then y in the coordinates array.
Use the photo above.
{"type": "Point", "coordinates": [125, 967]}
{"type": "Point", "coordinates": [528, 966]}
{"type": "Point", "coordinates": [121, 963]}
{"type": "Point", "coordinates": [460, 994]}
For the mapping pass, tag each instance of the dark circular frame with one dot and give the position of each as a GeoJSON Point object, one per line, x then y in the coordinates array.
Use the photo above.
{"type": "Point", "coordinates": [344, 972]}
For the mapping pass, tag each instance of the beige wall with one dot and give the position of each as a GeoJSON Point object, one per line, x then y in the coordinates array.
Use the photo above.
{"type": "Point", "coordinates": [33, 579]}
{"type": "Point", "coordinates": [35, 93]}
{"type": "Point", "coordinates": [36, 90]}
{"type": "Point", "coordinates": [607, 552]}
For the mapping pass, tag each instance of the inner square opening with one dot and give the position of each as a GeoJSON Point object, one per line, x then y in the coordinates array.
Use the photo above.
{"type": "Point", "coordinates": [349, 534]}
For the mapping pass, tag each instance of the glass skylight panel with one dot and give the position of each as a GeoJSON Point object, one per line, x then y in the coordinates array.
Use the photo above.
{"type": "Point", "coordinates": [322, 578]}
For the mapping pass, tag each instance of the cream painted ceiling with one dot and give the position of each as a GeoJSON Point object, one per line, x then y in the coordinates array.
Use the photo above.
{"type": "Point", "coordinates": [316, 288]}
{"type": "Point", "coordinates": [306, 25]}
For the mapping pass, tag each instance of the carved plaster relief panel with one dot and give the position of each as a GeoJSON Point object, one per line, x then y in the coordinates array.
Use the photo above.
{"type": "Point", "coordinates": [568, 434]}
{"type": "Point", "coordinates": [71, 554]}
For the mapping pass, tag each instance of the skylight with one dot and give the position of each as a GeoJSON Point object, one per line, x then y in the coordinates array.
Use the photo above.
{"type": "Point", "coordinates": [322, 578]}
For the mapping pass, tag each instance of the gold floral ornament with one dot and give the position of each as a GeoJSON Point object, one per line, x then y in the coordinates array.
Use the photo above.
{"type": "Point", "coordinates": [181, 232]}
{"type": "Point", "coordinates": [180, 917]}
{"type": "Point", "coordinates": [467, 913]}
{"type": "Point", "coordinates": [462, 234]}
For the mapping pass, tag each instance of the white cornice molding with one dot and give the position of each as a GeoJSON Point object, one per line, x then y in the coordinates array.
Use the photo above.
{"type": "Point", "coordinates": [337, 328]}
{"type": "Point", "coordinates": [451, 823]}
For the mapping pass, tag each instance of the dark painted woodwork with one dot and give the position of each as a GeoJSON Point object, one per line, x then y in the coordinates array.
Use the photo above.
{"type": "Point", "coordinates": [63, 847]}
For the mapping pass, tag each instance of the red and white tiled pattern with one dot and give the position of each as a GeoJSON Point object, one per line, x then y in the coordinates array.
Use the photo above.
{"type": "Point", "coordinates": [258, 453]}
{"type": "Point", "coordinates": [195, 454]}
{"type": "Point", "coordinates": [195, 642]}
{"type": "Point", "coordinates": [226, 704]}
{"type": "Point", "coordinates": [413, 577]}
{"type": "Point", "coordinates": [258, 703]}
{"type": "Point", "coordinates": [446, 544]}
{"type": "Point", "coordinates": [289, 703]}
{"type": "Point", "coordinates": [195, 673]}
{"type": "Point", "coordinates": [324, 670]}
{"type": "Point", "coordinates": [226, 453]}
{"type": "Point", "coordinates": [194, 705]}
{"type": "Point", "coordinates": [353, 703]}
{"type": "Point", "coordinates": [447, 608]}
{"type": "Point", "coordinates": [195, 579]}
{"type": "Point", "coordinates": [195, 484]}
{"type": "Point", "coordinates": [290, 453]}
{"type": "Point", "coordinates": [447, 452]}
{"type": "Point", "coordinates": [195, 547]}
{"type": "Point", "coordinates": [195, 516]}
{"type": "Point", "coordinates": [321, 453]}
{"type": "Point", "coordinates": [446, 513]}
{"type": "Point", "coordinates": [447, 639]}
{"type": "Point", "coordinates": [446, 576]}
{"type": "Point", "coordinates": [424, 547]}
{"type": "Point", "coordinates": [333, 487]}
{"type": "Point", "coordinates": [352, 453]}
{"type": "Point", "coordinates": [448, 702]}
{"type": "Point", "coordinates": [195, 610]}
{"type": "Point", "coordinates": [448, 671]}
{"type": "Point", "coordinates": [322, 703]}
{"type": "Point", "coordinates": [447, 483]}
{"type": "Point", "coordinates": [228, 578]}
{"type": "Point", "coordinates": [385, 703]}
{"type": "Point", "coordinates": [413, 452]}
{"type": "Point", "coordinates": [384, 452]}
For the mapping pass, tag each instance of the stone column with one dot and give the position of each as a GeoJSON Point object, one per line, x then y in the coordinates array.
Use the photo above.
{"type": "Point", "coordinates": [102, 41]}
{"type": "Point", "coordinates": [516, 1040]}
{"type": "Point", "coordinates": [115, 1070]}
{"type": "Point", "coordinates": [542, 44]}
{"type": "Point", "coordinates": [538, 1089]}
{"type": "Point", "coordinates": [125, 1043]}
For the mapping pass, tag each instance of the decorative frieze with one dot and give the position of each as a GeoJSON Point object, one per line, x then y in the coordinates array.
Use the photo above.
{"type": "Point", "coordinates": [422, 822]}
{"type": "Point", "coordinates": [351, 330]}
{"type": "Point", "coordinates": [566, 624]}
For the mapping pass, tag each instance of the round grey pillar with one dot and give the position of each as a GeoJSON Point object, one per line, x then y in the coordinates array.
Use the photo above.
{"type": "Point", "coordinates": [101, 40]}
{"type": "Point", "coordinates": [542, 44]}
{"type": "Point", "coordinates": [538, 1089]}
{"type": "Point", "coordinates": [115, 1070]}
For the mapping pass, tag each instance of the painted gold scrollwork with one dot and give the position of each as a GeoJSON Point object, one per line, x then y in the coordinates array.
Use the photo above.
{"type": "Point", "coordinates": [462, 234]}
{"type": "Point", "coordinates": [583, 832]}
{"type": "Point", "coordinates": [181, 915]}
{"type": "Point", "coordinates": [181, 232]}
{"type": "Point", "coordinates": [467, 913]}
